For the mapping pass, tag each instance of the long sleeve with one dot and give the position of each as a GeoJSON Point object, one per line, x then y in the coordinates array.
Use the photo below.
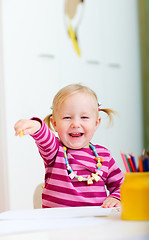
{"type": "Point", "coordinates": [46, 142]}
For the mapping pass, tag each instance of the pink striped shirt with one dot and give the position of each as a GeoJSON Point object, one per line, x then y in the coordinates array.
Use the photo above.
{"type": "Point", "coordinates": [60, 190]}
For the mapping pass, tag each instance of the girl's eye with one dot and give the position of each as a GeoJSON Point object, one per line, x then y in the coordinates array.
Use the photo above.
{"type": "Point", "coordinates": [67, 117]}
{"type": "Point", "coordinates": [85, 117]}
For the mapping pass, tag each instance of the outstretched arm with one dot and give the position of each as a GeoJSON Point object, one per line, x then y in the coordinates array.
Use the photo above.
{"type": "Point", "coordinates": [27, 126]}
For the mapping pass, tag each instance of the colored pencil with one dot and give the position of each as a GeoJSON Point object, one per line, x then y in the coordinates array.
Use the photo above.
{"type": "Point", "coordinates": [134, 162]}
{"type": "Point", "coordinates": [131, 163]}
{"type": "Point", "coordinates": [128, 163]}
{"type": "Point", "coordinates": [145, 164]}
{"type": "Point", "coordinates": [125, 162]}
{"type": "Point", "coordinates": [140, 166]}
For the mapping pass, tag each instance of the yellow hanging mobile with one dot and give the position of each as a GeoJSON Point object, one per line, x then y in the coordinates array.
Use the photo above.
{"type": "Point", "coordinates": [73, 37]}
{"type": "Point", "coordinates": [71, 14]}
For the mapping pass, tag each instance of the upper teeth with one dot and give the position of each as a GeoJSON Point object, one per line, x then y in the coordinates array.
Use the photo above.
{"type": "Point", "coordinates": [75, 134]}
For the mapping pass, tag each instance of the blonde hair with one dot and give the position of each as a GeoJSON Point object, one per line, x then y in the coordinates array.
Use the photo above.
{"type": "Point", "coordinates": [66, 92]}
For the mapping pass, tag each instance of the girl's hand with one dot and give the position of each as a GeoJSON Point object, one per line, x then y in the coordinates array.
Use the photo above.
{"type": "Point", "coordinates": [111, 202]}
{"type": "Point", "coordinates": [27, 127]}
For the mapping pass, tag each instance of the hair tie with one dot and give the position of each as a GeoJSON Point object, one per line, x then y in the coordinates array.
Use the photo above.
{"type": "Point", "coordinates": [99, 104]}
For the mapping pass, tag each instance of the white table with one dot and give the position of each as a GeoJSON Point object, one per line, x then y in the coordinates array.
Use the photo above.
{"type": "Point", "coordinates": [88, 223]}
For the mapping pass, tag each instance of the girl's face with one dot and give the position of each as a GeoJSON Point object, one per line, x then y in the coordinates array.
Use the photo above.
{"type": "Point", "coordinates": [76, 120]}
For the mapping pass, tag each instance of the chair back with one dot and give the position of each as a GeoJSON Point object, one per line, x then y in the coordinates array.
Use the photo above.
{"type": "Point", "coordinates": [37, 197]}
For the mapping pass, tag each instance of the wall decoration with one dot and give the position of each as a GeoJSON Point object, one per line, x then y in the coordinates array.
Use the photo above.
{"type": "Point", "coordinates": [73, 15]}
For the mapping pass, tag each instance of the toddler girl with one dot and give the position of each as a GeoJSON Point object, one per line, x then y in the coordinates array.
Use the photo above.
{"type": "Point", "coordinates": [76, 171]}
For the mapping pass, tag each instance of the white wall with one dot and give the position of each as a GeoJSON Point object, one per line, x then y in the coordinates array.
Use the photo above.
{"type": "Point", "coordinates": [4, 193]}
{"type": "Point", "coordinates": [108, 34]}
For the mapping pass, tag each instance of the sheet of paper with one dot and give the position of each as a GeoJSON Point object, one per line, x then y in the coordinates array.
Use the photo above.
{"type": "Point", "coordinates": [52, 213]}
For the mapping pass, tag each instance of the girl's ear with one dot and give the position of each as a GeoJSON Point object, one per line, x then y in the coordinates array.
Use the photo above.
{"type": "Point", "coordinates": [53, 123]}
{"type": "Point", "coordinates": [98, 122]}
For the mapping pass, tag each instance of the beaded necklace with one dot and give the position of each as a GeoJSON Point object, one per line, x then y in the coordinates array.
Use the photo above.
{"type": "Point", "coordinates": [94, 176]}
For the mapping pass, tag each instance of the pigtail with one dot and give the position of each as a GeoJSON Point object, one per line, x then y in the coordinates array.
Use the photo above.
{"type": "Point", "coordinates": [110, 114]}
{"type": "Point", "coordinates": [48, 121]}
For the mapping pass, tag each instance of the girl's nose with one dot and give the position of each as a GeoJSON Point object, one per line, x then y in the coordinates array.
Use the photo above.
{"type": "Point", "coordinates": [75, 123]}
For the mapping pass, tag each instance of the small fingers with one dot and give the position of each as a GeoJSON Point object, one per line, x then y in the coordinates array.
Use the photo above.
{"type": "Point", "coordinates": [24, 127]}
{"type": "Point", "coordinates": [118, 204]}
{"type": "Point", "coordinates": [20, 127]}
{"type": "Point", "coordinates": [110, 202]}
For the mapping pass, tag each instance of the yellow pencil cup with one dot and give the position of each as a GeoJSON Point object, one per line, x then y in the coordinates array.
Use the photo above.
{"type": "Point", "coordinates": [135, 196]}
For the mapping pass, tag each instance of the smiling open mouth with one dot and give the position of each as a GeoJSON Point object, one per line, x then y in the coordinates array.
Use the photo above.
{"type": "Point", "coordinates": [76, 134]}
